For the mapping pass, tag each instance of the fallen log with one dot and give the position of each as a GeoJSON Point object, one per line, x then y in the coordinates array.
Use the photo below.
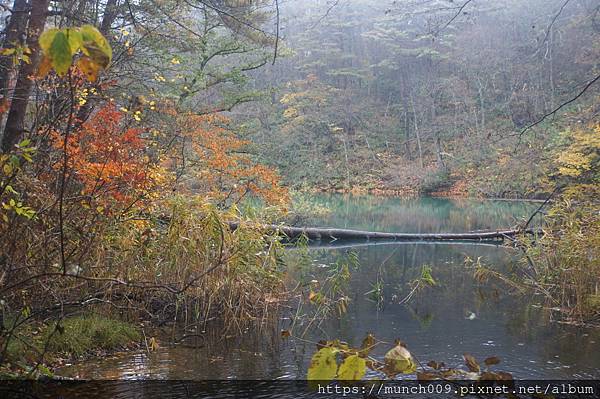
{"type": "Point", "coordinates": [333, 234]}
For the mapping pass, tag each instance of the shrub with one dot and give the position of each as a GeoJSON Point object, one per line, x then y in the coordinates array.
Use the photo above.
{"type": "Point", "coordinates": [435, 180]}
{"type": "Point", "coordinates": [569, 254]}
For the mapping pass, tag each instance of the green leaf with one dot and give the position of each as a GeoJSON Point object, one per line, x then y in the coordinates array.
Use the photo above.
{"type": "Point", "coordinates": [95, 45]}
{"type": "Point", "coordinates": [399, 360]}
{"type": "Point", "coordinates": [60, 53]}
{"type": "Point", "coordinates": [75, 39]}
{"type": "Point", "coordinates": [45, 370]}
{"type": "Point", "coordinates": [24, 143]}
{"type": "Point", "coordinates": [352, 369]}
{"type": "Point", "coordinates": [323, 366]}
{"type": "Point", "coordinates": [426, 276]}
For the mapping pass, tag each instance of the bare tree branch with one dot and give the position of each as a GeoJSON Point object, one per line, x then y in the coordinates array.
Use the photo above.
{"type": "Point", "coordinates": [555, 110]}
{"type": "Point", "coordinates": [331, 7]}
{"type": "Point", "coordinates": [549, 27]}
{"type": "Point", "coordinates": [460, 10]}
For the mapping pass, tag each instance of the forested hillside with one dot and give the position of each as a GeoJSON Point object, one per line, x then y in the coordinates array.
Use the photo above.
{"type": "Point", "coordinates": [418, 97]}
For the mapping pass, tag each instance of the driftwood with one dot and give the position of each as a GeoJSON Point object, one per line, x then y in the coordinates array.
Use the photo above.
{"type": "Point", "coordinates": [332, 234]}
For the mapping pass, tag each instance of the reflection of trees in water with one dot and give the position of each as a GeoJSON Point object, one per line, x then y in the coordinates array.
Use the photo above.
{"type": "Point", "coordinates": [455, 287]}
{"type": "Point", "coordinates": [434, 321]}
{"type": "Point", "coordinates": [436, 318]}
{"type": "Point", "coordinates": [419, 214]}
{"type": "Point", "coordinates": [456, 292]}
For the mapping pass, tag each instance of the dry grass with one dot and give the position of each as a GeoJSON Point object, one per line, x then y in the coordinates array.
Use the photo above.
{"type": "Point", "coordinates": [568, 257]}
{"type": "Point", "coordinates": [185, 267]}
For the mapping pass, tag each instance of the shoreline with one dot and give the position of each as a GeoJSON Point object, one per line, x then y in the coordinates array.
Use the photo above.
{"type": "Point", "coordinates": [399, 193]}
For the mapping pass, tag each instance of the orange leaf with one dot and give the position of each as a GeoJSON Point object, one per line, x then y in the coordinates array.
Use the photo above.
{"type": "Point", "coordinates": [45, 66]}
{"type": "Point", "coordinates": [89, 68]}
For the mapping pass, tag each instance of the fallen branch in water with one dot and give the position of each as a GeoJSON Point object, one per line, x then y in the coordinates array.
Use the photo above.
{"type": "Point", "coordinates": [319, 233]}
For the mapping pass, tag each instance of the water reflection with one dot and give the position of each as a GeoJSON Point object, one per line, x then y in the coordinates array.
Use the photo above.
{"type": "Point", "coordinates": [437, 324]}
{"type": "Point", "coordinates": [420, 215]}
{"type": "Point", "coordinates": [440, 323]}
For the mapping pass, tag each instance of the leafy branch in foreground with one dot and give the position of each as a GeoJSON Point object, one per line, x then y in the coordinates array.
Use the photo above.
{"type": "Point", "coordinates": [61, 45]}
{"type": "Point", "coordinates": [337, 360]}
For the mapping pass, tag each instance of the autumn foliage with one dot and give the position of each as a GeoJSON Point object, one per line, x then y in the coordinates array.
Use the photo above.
{"type": "Point", "coordinates": [108, 158]}
{"type": "Point", "coordinates": [221, 168]}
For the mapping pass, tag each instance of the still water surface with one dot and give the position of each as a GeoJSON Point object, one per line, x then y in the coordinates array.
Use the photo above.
{"type": "Point", "coordinates": [457, 316]}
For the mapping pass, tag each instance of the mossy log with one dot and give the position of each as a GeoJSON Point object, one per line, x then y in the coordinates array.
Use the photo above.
{"type": "Point", "coordinates": [332, 234]}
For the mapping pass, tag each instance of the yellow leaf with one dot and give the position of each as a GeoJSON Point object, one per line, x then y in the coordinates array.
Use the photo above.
{"type": "Point", "coordinates": [323, 366]}
{"type": "Point", "coordinates": [75, 39]}
{"type": "Point", "coordinates": [46, 39]}
{"type": "Point", "coordinates": [399, 360]}
{"type": "Point", "coordinates": [153, 344]}
{"type": "Point", "coordinates": [352, 369]}
{"type": "Point", "coordinates": [95, 45]}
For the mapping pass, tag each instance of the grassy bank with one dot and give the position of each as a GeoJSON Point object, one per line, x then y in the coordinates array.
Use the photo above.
{"type": "Point", "coordinates": [42, 346]}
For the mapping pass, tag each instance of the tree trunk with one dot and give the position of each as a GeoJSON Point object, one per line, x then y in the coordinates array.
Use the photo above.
{"type": "Point", "coordinates": [407, 133]}
{"type": "Point", "coordinates": [110, 13]}
{"type": "Point", "coordinates": [15, 33]}
{"type": "Point", "coordinates": [346, 161]}
{"type": "Point", "coordinates": [18, 108]}
{"type": "Point", "coordinates": [440, 159]}
{"type": "Point", "coordinates": [481, 89]}
{"type": "Point", "coordinates": [418, 135]}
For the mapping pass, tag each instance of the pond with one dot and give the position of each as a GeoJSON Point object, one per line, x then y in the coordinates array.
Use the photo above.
{"type": "Point", "coordinates": [458, 315]}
